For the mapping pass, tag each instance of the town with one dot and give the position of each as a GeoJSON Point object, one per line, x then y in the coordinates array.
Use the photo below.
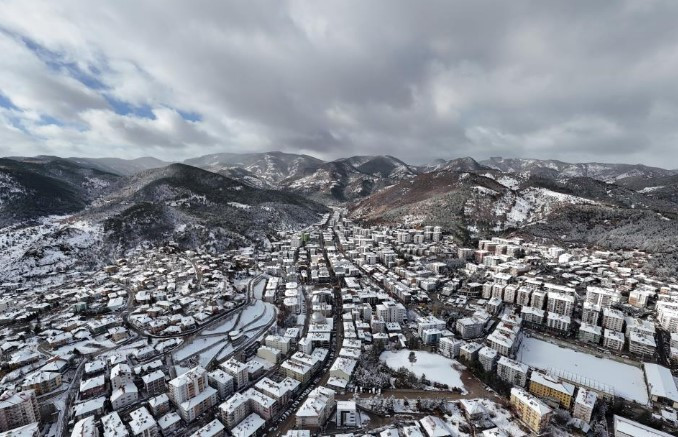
{"type": "Point", "coordinates": [345, 329]}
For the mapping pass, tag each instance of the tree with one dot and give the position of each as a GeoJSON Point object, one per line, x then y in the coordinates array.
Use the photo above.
{"type": "Point", "coordinates": [412, 358]}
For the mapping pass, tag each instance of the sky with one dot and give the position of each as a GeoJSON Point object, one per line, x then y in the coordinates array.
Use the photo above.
{"type": "Point", "coordinates": [575, 80]}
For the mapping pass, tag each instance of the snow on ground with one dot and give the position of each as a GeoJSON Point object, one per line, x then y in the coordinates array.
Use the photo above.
{"type": "Point", "coordinates": [195, 347]}
{"type": "Point", "coordinates": [258, 289]}
{"type": "Point", "coordinates": [251, 313]}
{"type": "Point", "coordinates": [651, 189]}
{"type": "Point", "coordinates": [223, 328]}
{"type": "Point", "coordinates": [627, 380]}
{"type": "Point", "coordinates": [436, 367]}
{"type": "Point", "coordinates": [263, 320]}
{"type": "Point", "coordinates": [54, 244]}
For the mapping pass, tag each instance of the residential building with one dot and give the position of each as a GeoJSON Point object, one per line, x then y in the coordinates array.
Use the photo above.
{"type": "Point", "coordinates": [512, 371]}
{"type": "Point", "coordinates": [316, 409]}
{"type": "Point", "coordinates": [532, 411]}
{"type": "Point", "coordinates": [584, 404]}
{"type": "Point", "coordinates": [18, 409]}
{"type": "Point", "coordinates": [550, 387]}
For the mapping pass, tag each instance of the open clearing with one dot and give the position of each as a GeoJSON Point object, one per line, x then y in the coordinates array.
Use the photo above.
{"type": "Point", "coordinates": [436, 367]}
{"type": "Point", "coordinates": [627, 380]}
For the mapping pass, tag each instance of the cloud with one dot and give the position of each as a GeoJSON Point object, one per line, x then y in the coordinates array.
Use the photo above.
{"type": "Point", "coordinates": [416, 80]}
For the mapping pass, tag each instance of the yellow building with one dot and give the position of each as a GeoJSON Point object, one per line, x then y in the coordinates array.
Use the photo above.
{"type": "Point", "coordinates": [533, 412]}
{"type": "Point", "coordinates": [551, 388]}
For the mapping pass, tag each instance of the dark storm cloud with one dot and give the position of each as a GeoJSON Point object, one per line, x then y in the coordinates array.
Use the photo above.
{"type": "Point", "coordinates": [576, 80]}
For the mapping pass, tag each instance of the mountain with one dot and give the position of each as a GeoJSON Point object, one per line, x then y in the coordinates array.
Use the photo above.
{"type": "Point", "coordinates": [194, 206]}
{"type": "Point", "coordinates": [561, 170]}
{"type": "Point", "coordinates": [271, 167]}
{"type": "Point", "coordinates": [331, 182]}
{"type": "Point", "coordinates": [383, 166]}
{"type": "Point", "coordinates": [31, 188]}
{"type": "Point", "coordinates": [348, 179]}
{"type": "Point", "coordinates": [475, 203]}
{"type": "Point", "coordinates": [466, 164]}
{"type": "Point", "coordinates": [122, 167]}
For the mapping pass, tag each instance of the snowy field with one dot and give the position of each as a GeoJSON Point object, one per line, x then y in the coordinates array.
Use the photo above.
{"type": "Point", "coordinates": [628, 381]}
{"type": "Point", "coordinates": [436, 367]}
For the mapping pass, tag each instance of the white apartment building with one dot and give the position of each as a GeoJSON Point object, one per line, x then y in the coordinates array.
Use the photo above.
{"type": "Point", "coordinates": [18, 409]}
{"type": "Point", "coordinates": [558, 321]}
{"type": "Point", "coordinates": [512, 371]}
{"type": "Point", "coordinates": [603, 297]}
{"type": "Point", "coordinates": [316, 409]}
{"type": "Point", "coordinates": [391, 311]}
{"type": "Point", "coordinates": [560, 303]}
{"type": "Point", "coordinates": [590, 313]}
{"type": "Point", "coordinates": [238, 370]}
{"type": "Point", "coordinates": [449, 347]}
{"type": "Point", "coordinates": [590, 333]}
{"type": "Point", "coordinates": [613, 319]}
{"type": "Point", "coordinates": [613, 339]}
{"type": "Point", "coordinates": [191, 393]}
{"type": "Point", "coordinates": [584, 404]}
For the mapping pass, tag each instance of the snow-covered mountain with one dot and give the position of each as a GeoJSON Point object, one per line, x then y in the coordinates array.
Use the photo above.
{"type": "Point", "coordinates": [31, 188]}
{"type": "Point", "coordinates": [122, 167]}
{"type": "Point", "coordinates": [270, 167]}
{"type": "Point", "coordinates": [479, 200]}
{"type": "Point", "coordinates": [561, 170]}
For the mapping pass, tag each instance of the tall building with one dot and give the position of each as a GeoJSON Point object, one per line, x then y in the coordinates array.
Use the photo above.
{"type": "Point", "coordinates": [18, 409]}
{"type": "Point", "coordinates": [584, 404]}
{"type": "Point", "coordinates": [192, 394]}
{"type": "Point", "coordinates": [533, 412]}
{"type": "Point", "coordinates": [550, 387]}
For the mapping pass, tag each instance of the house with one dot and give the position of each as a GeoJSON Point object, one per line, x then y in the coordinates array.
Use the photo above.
{"type": "Point", "coordinates": [42, 382]}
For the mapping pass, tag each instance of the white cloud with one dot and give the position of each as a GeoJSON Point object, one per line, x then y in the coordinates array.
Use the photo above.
{"type": "Point", "coordinates": [416, 80]}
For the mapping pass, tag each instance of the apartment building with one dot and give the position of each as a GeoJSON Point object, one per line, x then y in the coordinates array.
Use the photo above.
{"type": "Point", "coordinates": [316, 409]}
{"type": "Point", "coordinates": [613, 339]}
{"type": "Point", "coordinates": [590, 313]}
{"type": "Point", "coordinates": [391, 311]}
{"type": "Point", "coordinates": [238, 370]}
{"type": "Point", "coordinates": [584, 404]}
{"type": "Point", "coordinates": [449, 347]}
{"type": "Point", "coordinates": [191, 393]}
{"type": "Point", "coordinates": [613, 319]}
{"type": "Point", "coordinates": [550, 387]}
{"type": "Point", "coordinates": [590, 333]}
{"type": "Point", "coordinates": [512, 371]}
{"type": "Point", "coordinates": [18, 409]}
{"type": "Point", "coordinates": [532, 411]}
{"type": "Point", "coordinates": [222, 382]}
{"type": "Point", "coordinates": [560, 303]}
